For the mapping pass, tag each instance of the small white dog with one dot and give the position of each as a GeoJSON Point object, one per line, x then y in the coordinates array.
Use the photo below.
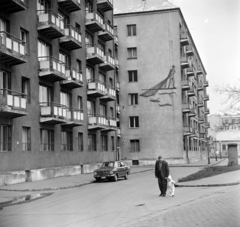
{"type": "Point", "coordinates": [171, 185]}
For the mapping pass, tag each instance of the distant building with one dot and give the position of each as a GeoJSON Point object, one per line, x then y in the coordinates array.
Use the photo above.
{"type": "Point", "coordinates": [163, 96]}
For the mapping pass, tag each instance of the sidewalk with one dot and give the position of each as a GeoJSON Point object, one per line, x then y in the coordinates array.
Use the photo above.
{"type": "Point", "coordinates": [230, 178]}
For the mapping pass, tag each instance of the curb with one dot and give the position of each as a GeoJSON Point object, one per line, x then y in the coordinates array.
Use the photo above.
{"type": "Point", "coordinates": [60, 188]}
{"type": "Point", "coordinates": [208, 185]}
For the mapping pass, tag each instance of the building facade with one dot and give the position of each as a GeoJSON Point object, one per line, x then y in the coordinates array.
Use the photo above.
{"type": "Point", "coordinates": [57, 84]}
{"type": "Point", "coordinates": [163, 97]}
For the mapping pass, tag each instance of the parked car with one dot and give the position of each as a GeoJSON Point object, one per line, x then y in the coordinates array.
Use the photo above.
{"type": "Point", "coordinates": [112, 171]}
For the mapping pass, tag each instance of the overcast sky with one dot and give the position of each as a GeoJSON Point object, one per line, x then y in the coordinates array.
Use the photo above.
{"type": "Point", "coordinates": [215, 28]}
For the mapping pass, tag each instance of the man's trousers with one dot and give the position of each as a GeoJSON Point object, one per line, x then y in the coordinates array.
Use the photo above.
{"type": "Point", "coordinates": [162, 183]}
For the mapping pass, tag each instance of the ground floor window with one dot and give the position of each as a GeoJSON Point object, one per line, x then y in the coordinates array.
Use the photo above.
{"type": "Point", "coordinates": [92, 142]}
{"type": "Point", "coordinates": [26, 139]}
{"type": "Point", "coordinates": [113, 143]}
{"type": "Point", "coordinates": [47, 140]}
{"type": "Point", "coordinates": [134, 146]}
{"type": "Point", "coordinates": [5, 138]}
{"type": "Point", "coordinates": [80, 141]}
{"type": "Point", "coordinates": [104, 142]}
{"type": "Point", "coordinates": [67, 142]}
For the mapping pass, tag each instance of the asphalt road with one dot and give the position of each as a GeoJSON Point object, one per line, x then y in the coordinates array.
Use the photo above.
{"type": "Point", "coordinates": [132, 202]}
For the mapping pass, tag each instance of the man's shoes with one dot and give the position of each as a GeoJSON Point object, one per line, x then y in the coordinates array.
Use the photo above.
{"type": "Point", "coordinates": [161, 194]}
{"type": "Point", "coordinates": [164, 195]}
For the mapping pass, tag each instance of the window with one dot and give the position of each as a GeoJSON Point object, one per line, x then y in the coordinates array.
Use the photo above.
{"type": "Point", "coordinates": [132, 52]}
{"type": "Point", "coordinates": [111, 82]}
{"type": "Point", "coordinates": [26, 139]}
{"type": "Point", "coordinates": [133, 99]}
{"type": "Point", "coordinates": [24, 36]}
{"type": "Point", "coordinates": [5, 138]}
{"type": "Point", "coordinates": [80, 141]}
{"type": "Point", "coordinates": [88, 6]}
{"type": "Point", "coordinates": [102, 78]}
{"type": "Point", "coordinates": [132, 76]}
{"type": "Point", "coordinates": [79, 65]}
{"type": "Point", "coordinates": [64, 18]}
{"type": "Point", "coordinates": [64, 58]}
{"type": "Point", "coordinates": [103, 110]}
{"type": "Point", "coordinates": [133, 122]}
{"type": "Point", "coordinates": [88, 39]}
{"type": "Point", "coordinates": [43, 50]}
{"type": "Point", "coordinates": [131, 29]}
{"type": "Point", "coordinates": [89, 74]}
{"type": "Point", "coordinates": [91, 108]}
{"type": "Point", "coordinates": [5, 80]}
{"type": "Point", "coordinates": [47, 140]}
{"type": "Point", "coordinates": [80, 103]}
{"type": "Point", "coordinates": [45, 94]}
{"type": "Point", "coordinates": [92, 142]}
{"type": "Point", "coordinates": [113, 143]}
{"type": "Point", "coordinates": [78, 27]}
{"type": "Point", "coordinates": [26, 88]}
{"type": "Point", "coordinates": [134, 146]}
{"type": "Point", "coordinates": [43, 5]}
{"type": "Point", "coordinates": [104, 142]}
{"type": "Point", "coordinates": [111, 112]}
{"type": "Point", "coordinates": [65, 99]}
{"type": "Point", "coordinates": [67, 142]}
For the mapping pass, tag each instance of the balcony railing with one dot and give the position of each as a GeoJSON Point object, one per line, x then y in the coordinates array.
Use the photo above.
{"type": "Point", "coordinates": [105, 5]}
{"type": "Point", "coordinates": [206, 84]}
{"type": "Point", "coordinates": [186, 107]}
{"type": "Point", "coordinates": [12, 104]}
{"type": "Point", "coordinates": [96, 88]}
{"type": "Point", "coordinates": [95, 54]}
{"type": "Point", "coordinates": [206, 97]}
{"type": "Point", "coordinates": [185, 62]}
{"type": "Point", "coordinates": [107, 33]}
{"type": "Point", "coordinates": [50, 24]}
{"type": "Point", "coordinates": [200, 86]}
{"type": "Point", "coordinates": [111, 125]}
{"type": "Point", "coordinates": [74, 78]}
{"type": "Point", "coordinates": [50, 68]}
{"type": "Point", "coordinates": [97, 121]}
{"type": "Point", "coordinates": [12, 49]}
{"type": "Point", "coordinates": [74, 117]}
{"type": "Point", "coordinates": [94, 21]}
{"type": "Point", "coordinates": [184, 39]}
{"type": "Point", "coordinates": [109, 63]}
{"type": "Point", "coordinates": [110, 94]}
{"type": "Point", "coordinates": [70, 5]}
{"type": "Point", "coordinates": [72, 38]}
{"type": "Point", "coordinates": [52, 113]}
{"type": "Point", "coordinates": [185, 84]}
{"type": "Point", "coordinates": [189, 50]}
{"type": "Point", "coordinates": [13, 6]}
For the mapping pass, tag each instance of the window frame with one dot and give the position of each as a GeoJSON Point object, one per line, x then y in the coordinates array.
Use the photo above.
{"type": "Point", "coordinates": [130, 53]}
{"type": "Point", "coordinates": [26, 137]}
{"type": "Point", "coordinates": [131, 30]}
{"type": "Point", "coordinates": [135, 121]}
{"type": "Point", "coordinates": [132, 76]}
{"type": "Point", "coordinates": [136, 143]}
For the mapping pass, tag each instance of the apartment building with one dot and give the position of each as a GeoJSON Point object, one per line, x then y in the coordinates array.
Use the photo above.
{"type": "Point", "coordinates": [163, 96]}
{"type": "Point", "coordinates": [57, 84]}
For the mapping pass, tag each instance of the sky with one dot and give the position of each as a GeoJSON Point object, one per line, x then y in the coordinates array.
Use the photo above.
{"type": "Point", "coordinates": [215, 29]}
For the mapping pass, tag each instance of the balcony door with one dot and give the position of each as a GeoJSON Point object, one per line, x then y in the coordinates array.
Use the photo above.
{"type": "Point", "coordinates": [91, 108]}
{"type": "Point", "coordinates": [103, 110]}
{"type": "Point", "coordinates": [43, 50]}
{"type": "Point", "coordinates": [89, 74]}
{"type": "Point", "coordinates": [3, 29]}
{"type": "Point", "coordinates": [45, 95]}
{"type": "Point", "coordinates": [65, 99]}
{"type": "Point", "coordinates": [43, 5]}
{"type": "Point", "coordinates": [5, 81]}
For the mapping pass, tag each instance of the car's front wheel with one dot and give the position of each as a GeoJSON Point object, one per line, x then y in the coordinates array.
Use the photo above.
{"type": "Point", "coordinates": [115, 177]}
{"type": "Point", "coordinates": [126, 176]}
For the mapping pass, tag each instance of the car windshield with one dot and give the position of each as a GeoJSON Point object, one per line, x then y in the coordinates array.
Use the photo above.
{"type": "Point", "coordinates": [108, 164]}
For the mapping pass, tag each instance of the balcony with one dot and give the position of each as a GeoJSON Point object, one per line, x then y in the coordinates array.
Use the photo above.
{"type": "Point", "coordinates": [200, 86]}
{"type": "Point", "coordinates": [94, 21]}
{"type": "Point", "coordinates": [207, 125]}
{"type": "Point", "coordinates": [184, 40]}
{"type": "Point", "coordinates": [200, 103]}
{"type": "Point", "coordinates": [202, 136]}
{"type": "Point", "coordinates": [190, 71]}
{"type": "Point", "coordinates": [13, 6]}
{"type": "Point", "coordinates": [74, 78]}
{"type": "Point", "coordinates": [198, 70]}
{"type": "Point", "coordinates": [191, 92]}
{"type": "Point", "coordinates": [185, 62]}
{"type": "Point", "coordinates": [96, 88]}
{"type": "Point", "coordinates": [186, 108]}
{"type": "Point", "coordinates": [206, 98]}
{"type": "Point", "coordinates": [52, 113]}
{"type": "Point", "coordinates": [51, 69]}
{"type": "Point", "coordinates": [70, 5]}
{"type": "Point", "coordinates": [107, 33]}
{"type": "Point", "coordinates": [110, 94]}
{"type": "Point", "coordinates": [12, 50]}
{"type": "Point", "coordinates": [50, 24]}
{"type": "Point", "coordinates": [109, 63]}
{"type": "Point", "coordinates": [192, 112]}
{"type": "Point", "coordinates": [95, 54]}
{"type": "Point", "coordinates": [12, 104]}
{"type": "Point", "coordinates": [200, 120]}
{"type": "Point", "coordinates": [74, 117]}
{"type": "Point", "coordinates": [206, 111]}
{"type": "Point", "coordinates": [206, 84]}
{"type": "Point", "coordinates": [116, 40]}
{"type": "Point", "coordinates": [116, 63]}
{"type": "Point", "coordinates": [97, 122]}
{"type": "Point", "coordinates": [185, 84]}
{"type": "Point", "coordinates": [111, 126]}
{"type": "Point", "coordinates": [189, 50]}
{"type": "Point", "coordinates": [187, 130]}
{"type": "Point", "coordinates": [72, 39]}
{"type": "Point", "coordinates": [105, 5]}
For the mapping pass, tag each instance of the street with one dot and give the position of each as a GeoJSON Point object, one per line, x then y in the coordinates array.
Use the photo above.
{"type": "Point", "coordinates": [132, 202]}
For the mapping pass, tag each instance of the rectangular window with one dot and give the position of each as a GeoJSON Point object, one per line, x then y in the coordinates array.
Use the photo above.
{"type": "Point", "coordinates": [89, 74]}
{"type": "Point", "coordinates": [104, 142]}
{"type": "Point", "coordinates": [24, 36]}
{"type": "Point", "coordinates": [80, 141]}
{"type": "Point", "coordinates": [133, 99]}
{"type": "Point", "coordinates": [43, 50]}
{"type": "Point", "coordinates": [103, 110]}
{"type": "Point", "coordinates": [67, 142]}
{"type": "Point", "coordinates": [79, 65]}
{"type": "Point", "coordinates": [92, 142]}
{"type": "Point", "coordinates": [132, 31]}
{"type": "Point", "coordinates": [64, 58]}
{"type": "Point", "coordinates": [91, 108]}
{"type": "Point", "coordinates": [47, 140]}
{"type": "Point", "coordinates": [43, 5]}
{"type": "Point", "coordinates": [133, 122]}
{"type": "Point", "coordinates": [88, 39]}
{"type": "Point", "coordinates": [80, 103]}
{"type": "Point", "coordinates": [113, 143]}
{"type": "Point", "coordinates": [102, 78]}
{"type": "Point", "coordinates": [26, 139]}
{"type": "Point", "coordinates": [65, 99]}
{"type": "Point", "coordinates": [26, 88]}
{"type": "Point", "coordinates": [132, 53]}
{"type": "Point", "coordinates": [111, 112]}
{"type": "Point", "coordinates": [5, 138]}
{"type": "Point", "coordinates": [45, 95]}
{"type": "Point", "coordinates": [134, 146]}
{"type": "Point", "coordinates": [5, 81]}
{"type": "Point", "coordinates": [132, 76]}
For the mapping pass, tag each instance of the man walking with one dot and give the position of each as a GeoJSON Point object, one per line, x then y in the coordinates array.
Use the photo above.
{"type": "Point", "coordinates": [162, 172]}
